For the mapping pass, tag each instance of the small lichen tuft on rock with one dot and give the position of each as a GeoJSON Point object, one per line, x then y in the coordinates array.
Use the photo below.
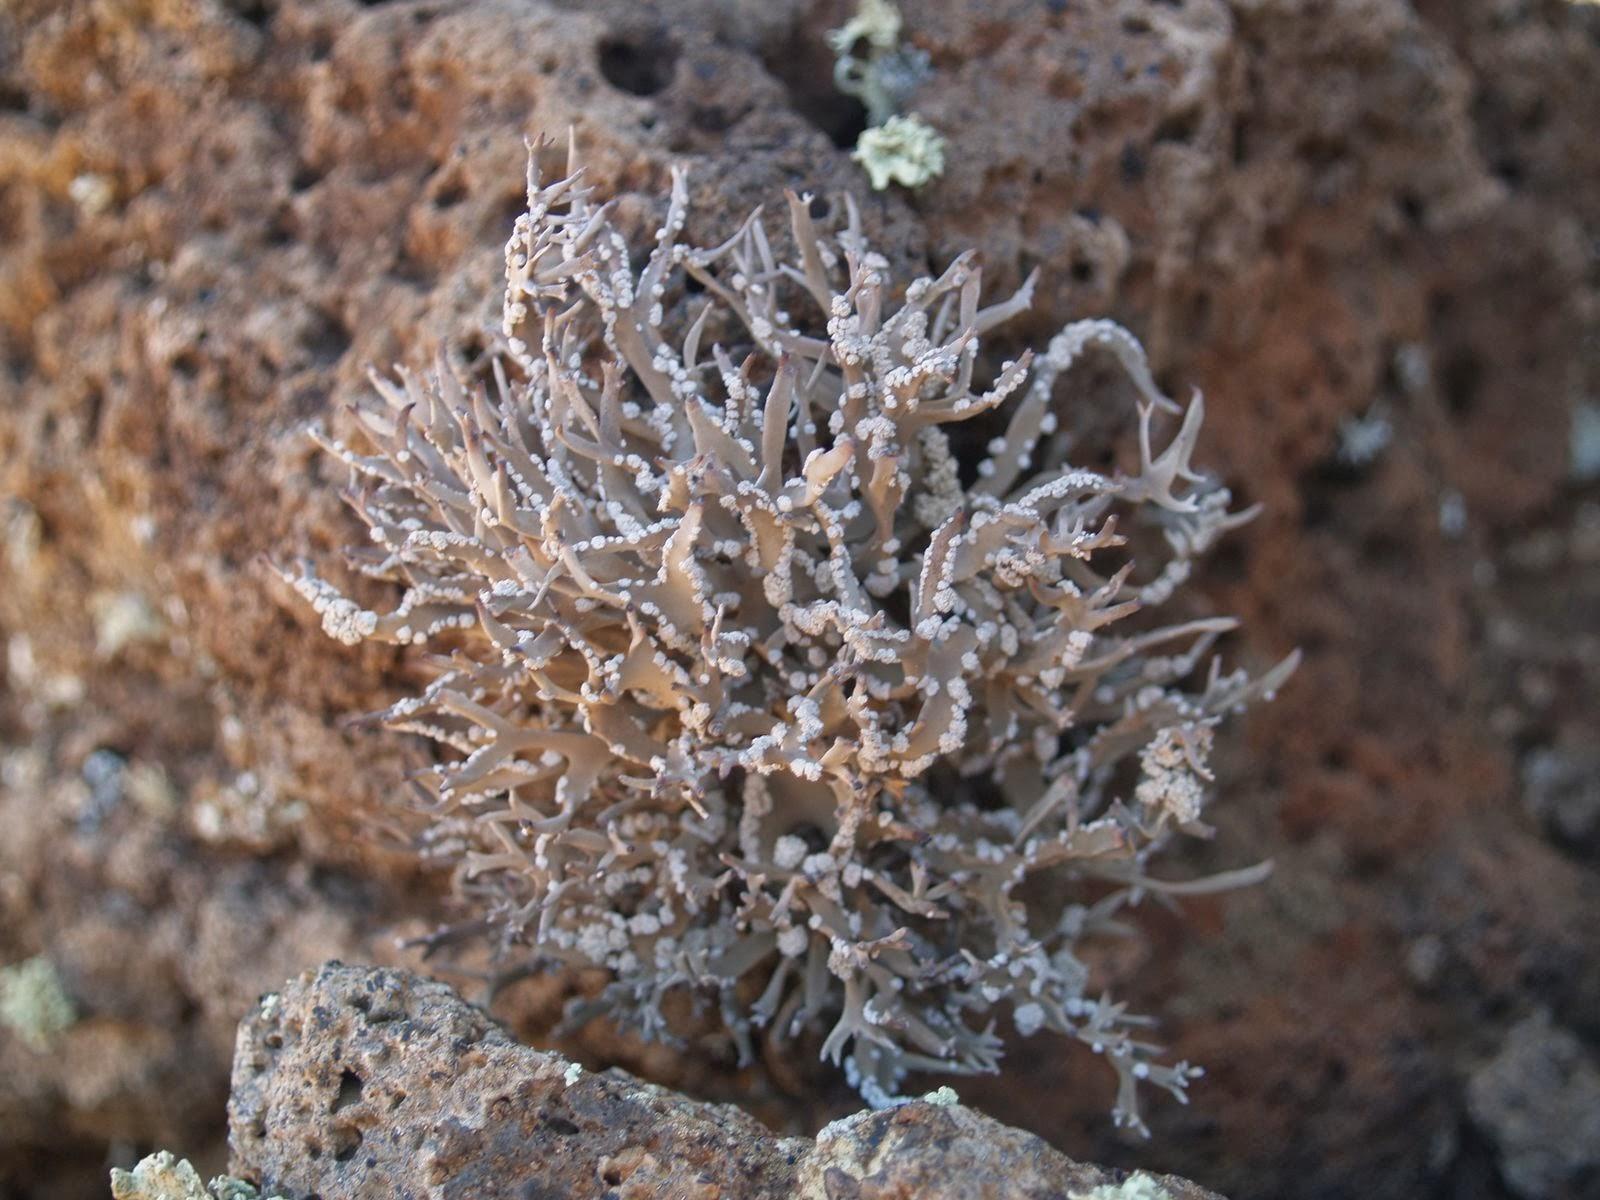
{"type": "Point", "coordinates": [33, 1003]}
{"type": "Point", "coordinates": [903, 150]}
{"type": "Point", "coordinates": [871, 65]}
{"type": "Point", "coordinates": [754, 674]}
{"type": "Point", "coordinates": [163, 1176]}
{"type": "Point", "coordinates": [1139, 1186]}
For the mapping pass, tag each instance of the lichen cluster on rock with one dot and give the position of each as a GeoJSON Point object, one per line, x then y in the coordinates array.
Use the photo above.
{"type": "Point", "coordinates": [163, 1176]}
{"type": "Point", "coordinates": [735, 673]}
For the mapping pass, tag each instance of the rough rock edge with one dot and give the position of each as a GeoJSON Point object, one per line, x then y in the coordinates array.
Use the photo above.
{"type": "Point", "coordinates": [356, 1082]}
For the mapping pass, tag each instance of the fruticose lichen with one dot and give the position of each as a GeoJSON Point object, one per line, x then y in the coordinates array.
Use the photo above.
{"type": "Point", "coordinates": [746, 683]}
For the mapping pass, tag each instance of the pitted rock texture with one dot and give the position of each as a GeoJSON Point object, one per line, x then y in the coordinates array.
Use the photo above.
{"type": "Point", "coordinates": [354, 1083]}
{"type": "Point", "coordinates": [950, 1152]}
{"type": "Point", "coordinates": [215, 213]}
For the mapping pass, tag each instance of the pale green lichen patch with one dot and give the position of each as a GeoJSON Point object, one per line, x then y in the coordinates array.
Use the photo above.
{"type": "Point", "coordinates": [877, 22]}
{"type": "Point", "coordinates": [873, 66]}
{"type": "Point", "coordinates": [33, 1003]}
{"type": "Point", "coordinates": [1139, 1186]}
{"type": "Point", "coordinates": [164, 1176]}
{"type": "Point", "coordinates": [903, 150]}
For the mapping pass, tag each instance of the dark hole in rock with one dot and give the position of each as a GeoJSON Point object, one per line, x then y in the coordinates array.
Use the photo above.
{"type": "Point", "coordinates": [816, 841]}
{"type": "Point", "coordinates": [350, 1086]}
{"type": "Point", "coordinates": [561, 1126]}
{"type": "Point", "coordinates": [805, 69]}
{"type": "Point", "coordinates": [450, 194]}
{"type": "Point", "coordinates": [257, 12]}
{"type": "Point", "coordinates": [347, 1142]}
{"type": "Point", "coordinates": [1413, 208]}
{"type": "Point", "coordinates": [1461, 380]}
{"type": "Point", "coordinates": [326, 339]}
{"type": "Point", "coordinates": [640, 65]}
{"type": "Point", "coordinates": [280, 230]}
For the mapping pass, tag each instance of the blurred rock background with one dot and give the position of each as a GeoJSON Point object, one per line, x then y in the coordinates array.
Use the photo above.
{"type": "Point", "coordinates": [1369, 230]}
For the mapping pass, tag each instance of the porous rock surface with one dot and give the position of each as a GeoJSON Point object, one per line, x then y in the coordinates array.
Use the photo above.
{"type": "Point", "coordinates": [357, 1082]}
{"type": "Point", "coordinates": [215, 213]}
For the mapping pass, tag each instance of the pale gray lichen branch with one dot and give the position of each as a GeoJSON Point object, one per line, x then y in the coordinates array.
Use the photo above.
{"type": "Point", "coordinates": [737, 682]}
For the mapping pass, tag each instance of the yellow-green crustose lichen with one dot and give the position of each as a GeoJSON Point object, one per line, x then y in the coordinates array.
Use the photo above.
{"type": "Point", "coordinates": [164, 1176]}
{"type": "Point", "coordinates": [903, 150]}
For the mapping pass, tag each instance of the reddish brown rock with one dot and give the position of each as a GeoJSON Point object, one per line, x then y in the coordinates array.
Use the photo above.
{"type": "Point", "coordinates": [354, 1083]}
{"type": "Point", "coordinates": [215, 213]}
{"type": "Point", "coordinates": [945, 1151]}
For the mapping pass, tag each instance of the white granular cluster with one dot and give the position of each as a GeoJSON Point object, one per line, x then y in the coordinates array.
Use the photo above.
{"type": "Point", "coordinates": [738, 687]}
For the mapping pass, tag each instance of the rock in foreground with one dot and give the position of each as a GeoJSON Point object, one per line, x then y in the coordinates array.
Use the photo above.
{"type": "Point", "coordinates": [355, 1082]}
